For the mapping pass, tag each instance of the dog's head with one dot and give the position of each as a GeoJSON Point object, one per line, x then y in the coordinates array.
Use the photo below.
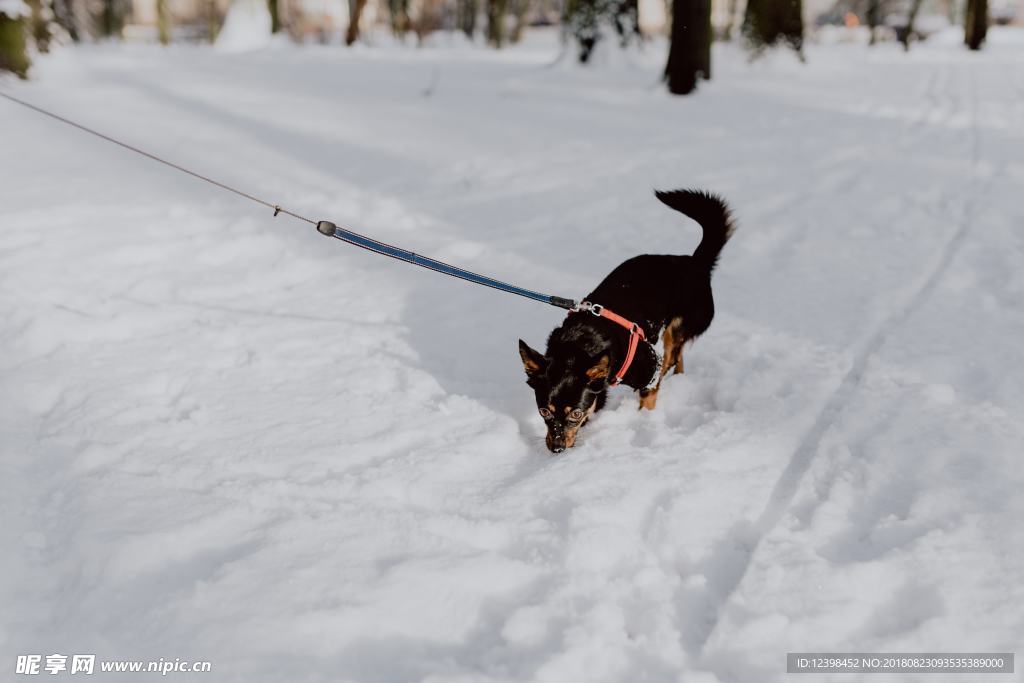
{"type": "Point", "coordinates": [569, 386]}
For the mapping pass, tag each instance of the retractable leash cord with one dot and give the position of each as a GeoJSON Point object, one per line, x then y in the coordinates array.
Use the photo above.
{"type": "Point", "coordinates": [326, 227]}
{"type": "Point", "coordinates": [354, 238]}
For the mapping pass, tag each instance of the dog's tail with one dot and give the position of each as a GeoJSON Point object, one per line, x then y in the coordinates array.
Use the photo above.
{"type": "Point", "coordinates": [713, 215]}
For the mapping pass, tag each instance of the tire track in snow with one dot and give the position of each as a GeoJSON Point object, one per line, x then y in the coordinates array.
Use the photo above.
{"type": "Point", "coordinates": [732, 556]}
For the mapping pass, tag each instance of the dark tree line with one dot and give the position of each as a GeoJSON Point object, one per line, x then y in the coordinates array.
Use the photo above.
{"type": "Point", "coordinates": [766, 23]}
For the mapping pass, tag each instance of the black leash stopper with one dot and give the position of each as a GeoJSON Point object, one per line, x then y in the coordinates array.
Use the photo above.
{"type": "Point", "coordinates": [326, 228]}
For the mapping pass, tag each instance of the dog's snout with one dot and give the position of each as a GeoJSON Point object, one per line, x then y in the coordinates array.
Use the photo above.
{"type": "Point", "coordinates": [556, 442]}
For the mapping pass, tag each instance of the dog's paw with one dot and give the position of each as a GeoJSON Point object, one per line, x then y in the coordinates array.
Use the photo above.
{"type": "Point", "coordinates": [648, 399]}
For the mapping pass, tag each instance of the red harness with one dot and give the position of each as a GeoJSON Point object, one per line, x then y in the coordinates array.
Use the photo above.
{"type": "Point", "coordinates": [635, 333]}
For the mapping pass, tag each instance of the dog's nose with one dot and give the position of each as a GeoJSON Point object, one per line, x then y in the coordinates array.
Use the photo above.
{"type": "Point", "coordinates": [557, 449]}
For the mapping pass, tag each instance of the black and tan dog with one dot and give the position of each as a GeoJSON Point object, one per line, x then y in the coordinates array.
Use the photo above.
{"type": "Point", "coordinates": [604, 342]}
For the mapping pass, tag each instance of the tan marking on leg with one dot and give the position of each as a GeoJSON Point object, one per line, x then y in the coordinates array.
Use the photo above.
{"type": "Point", "coordinates": [649, 397]}
{"type": "Point", "coordinates": [674, 340]}
{"type": "Point", "coordinates": [679, 360]}
{"type": "Point", "coordinates": [669, 342]}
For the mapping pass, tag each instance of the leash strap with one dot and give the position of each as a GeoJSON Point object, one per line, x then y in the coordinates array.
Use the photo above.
{"type": "Point", "coordinates": [636, 333]}
{"type": "Point", "coordinates": [354, 238]}
{"type": "Point", "coordinates": [324, 227]}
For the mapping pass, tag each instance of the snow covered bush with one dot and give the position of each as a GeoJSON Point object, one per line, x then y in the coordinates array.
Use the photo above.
{"type": "Point", "coordinates": [587, 21]}
{"type": "Point", "coordinates": [13, 54]}
{"type": "Point", "coordinates": [768, 22]}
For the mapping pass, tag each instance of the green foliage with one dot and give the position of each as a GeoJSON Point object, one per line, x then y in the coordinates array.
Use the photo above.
{"type": "Point", "coordinates": [768, 22]}
{"type": "Point", "coordinates": [13, 55]}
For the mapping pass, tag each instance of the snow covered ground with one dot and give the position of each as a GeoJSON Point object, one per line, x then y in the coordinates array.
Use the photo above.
{"type": "Point", "coordinates": [227, 438]}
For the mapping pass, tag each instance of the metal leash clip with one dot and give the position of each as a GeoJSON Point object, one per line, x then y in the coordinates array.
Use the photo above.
{"type": "Point", "coordinates": [588, 307]}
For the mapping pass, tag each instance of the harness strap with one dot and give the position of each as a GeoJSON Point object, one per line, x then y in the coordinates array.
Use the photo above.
{"type": "Point", "coordinates": [636, 333]}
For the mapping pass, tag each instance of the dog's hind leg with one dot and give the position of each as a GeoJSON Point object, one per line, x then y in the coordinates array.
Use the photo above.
{"type": "Point", "coordinates": [675, 338]}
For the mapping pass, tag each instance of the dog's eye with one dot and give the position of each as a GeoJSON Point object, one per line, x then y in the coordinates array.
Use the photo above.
{"type": "Point", "coordinates": [545, 413]}
{"type": "Point", "coordinates": [576, 415]}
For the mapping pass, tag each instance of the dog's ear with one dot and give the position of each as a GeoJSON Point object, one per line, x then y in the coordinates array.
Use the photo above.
{"type": "Point", "coordinates": [533, 361]}
{"type": "Point", "coordinates": [600, 369]}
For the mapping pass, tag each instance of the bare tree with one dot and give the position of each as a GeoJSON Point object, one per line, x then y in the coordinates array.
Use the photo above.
{"type": "Point", "coordinates": [399, 10]}
{"type": "Point", "coordinates": [355, 11]}
{"type": "Point", "coordinates": [906, 34]}
{"type": "Point", "coordinates": [212, 20]}
{"type": "Point", "coordinates": [465, 16]}
{"type": "Point", "coordinates": [768, 22]}
{"type": "Point", "coordinates": [163, 22]}
{"type": "Point", "coordinates": [39, 25]}
{"type": "Point", "coordinates": [975, 23]}
{"type": "Point", "coordinates": [496, 22]}
{"type": "Point", "coordinates": [874, 15]}
{"type": "Point", "coordinates": [689, 53]}
{"type": "Point", "coordinates": [520, 8]}
{"type": "Point", "coordinates": [64, 15]}
{"type": "Point", "coordinates": [275, 15]}
{"type": "Point", "coordinates": [111, 19]}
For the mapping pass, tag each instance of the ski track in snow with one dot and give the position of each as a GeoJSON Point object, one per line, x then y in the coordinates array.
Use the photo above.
{"type": "Point", "coordinates": [747, 536]}
{"type": "Point", "coordinates": [226, 440]}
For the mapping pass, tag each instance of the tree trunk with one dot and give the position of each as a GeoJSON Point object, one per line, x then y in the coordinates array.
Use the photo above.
{"type": "Point", "coordinates": [163, 22]}
{"type": "Point", "coordinates": [212, 21]}
{"type": "Point", "coordinates": [275, 15]}
{"type": "Point", "coordinates": [520, 8]}
{"type": "Point", "coordinates": [466, 16]}
{"type": "Point", "coordinates": [626, 17]}
{"type": "Point", "coordinates": [874, 15]}
{"type": "Point", "coordinates": [13, 53]}
{"type": "Point", "coordinates": [495, 22]}
{"type": "Point", "coordinates": [908, 30]}
{"type": "Point", "coordinates": [975, 23]}
{"type": "Point", "coordinates": [40, 26]}
{"type": "Point", "coordinates": [112, 19]}
{"type": "Point", "coordinates": [355, 11]}
{"type": "Point", "coordinates": [706, 37]}
{"type": "Point", "coordinates": [689, 53]}
{"type": "Point", "coordinates": [399, 16]}
{"type": "Point", "coordinates": [768, 22]}
{"type": "Point", "coordinates": [64, 15]}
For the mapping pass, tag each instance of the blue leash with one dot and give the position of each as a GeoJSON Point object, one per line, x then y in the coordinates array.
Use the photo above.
{"type": "Point", "coordinates": [331, 230]}
{"type": "Point", "coordinates": [326, 227]}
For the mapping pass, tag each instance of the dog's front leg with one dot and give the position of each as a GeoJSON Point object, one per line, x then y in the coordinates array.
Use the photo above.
{"type": "Point", "coordinates": [649, 398]}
